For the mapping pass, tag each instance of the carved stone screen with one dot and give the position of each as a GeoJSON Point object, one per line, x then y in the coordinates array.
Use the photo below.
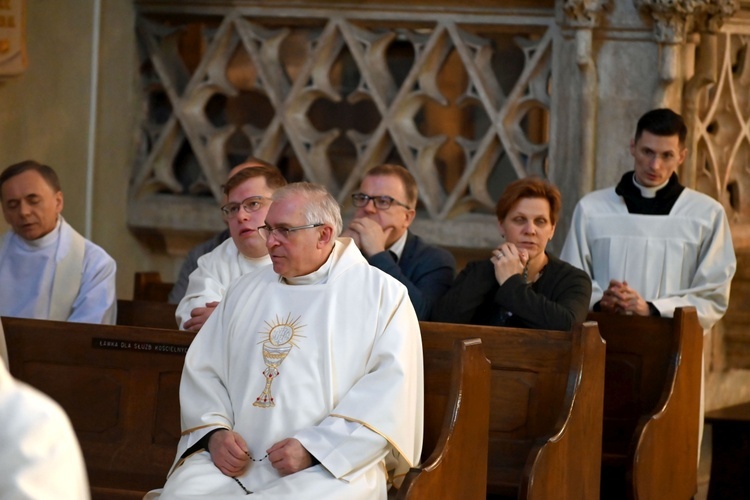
{"type": "Point", "coordinates": [461, 100]}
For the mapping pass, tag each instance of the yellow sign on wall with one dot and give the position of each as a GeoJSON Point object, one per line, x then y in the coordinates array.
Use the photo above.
{"type": "Point", "coordinates": [12, 37]}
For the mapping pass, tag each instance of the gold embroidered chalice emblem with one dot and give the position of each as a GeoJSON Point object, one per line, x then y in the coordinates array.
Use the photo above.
{"type": "Point", "coordinates": [276, 347]}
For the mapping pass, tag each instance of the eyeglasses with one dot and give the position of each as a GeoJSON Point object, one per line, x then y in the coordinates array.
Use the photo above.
{"type": "Point", "coordinates": [381, 202]}
{"type": "Point", "coordinates": [282, 233]}
{"type": "Point", "coordinates": [249, 205]}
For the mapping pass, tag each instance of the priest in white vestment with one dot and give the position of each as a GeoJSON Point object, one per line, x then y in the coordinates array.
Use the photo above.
{"type": "Point", "coordinates": [649, 244]}
{"type": "Point", "coordinates": [39, 453]}
{"type": "Point", "coordinates": [306, 382]}
{"type": "Point", "coordinates": [47, 269]}
{"type": "Point", "coordinates": [248, 195]}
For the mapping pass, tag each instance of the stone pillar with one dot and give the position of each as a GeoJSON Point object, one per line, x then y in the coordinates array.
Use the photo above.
{"type": "Point", "coordinates": [583, 16]}
{"type": "Point", "coordinates": [575, 108]}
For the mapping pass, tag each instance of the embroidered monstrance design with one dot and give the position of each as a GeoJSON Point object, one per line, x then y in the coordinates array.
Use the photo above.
{"type": "Point", "coordinates": [278, 341]}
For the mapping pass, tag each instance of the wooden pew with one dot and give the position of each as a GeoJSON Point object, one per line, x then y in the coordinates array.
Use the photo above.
{"type": "Point", "coordinates": [146, 313]}
{"type": "Point", "coordinates": [545, 409]}
{"type": "Point", "coordinates": [651, 405]}
{"type": "Point", "coordinates": [148, 286]}
{"type": "Point", "coordinates": [456, 422]}
{"type": "Point", "coordinates": [120, 384]}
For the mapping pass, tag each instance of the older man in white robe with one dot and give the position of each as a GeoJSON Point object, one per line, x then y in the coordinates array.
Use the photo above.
{"type": "Point", "coordinates": [47, 269]}
{"type": "Point", "coordinates": [247, 198]}
{"type": "Point", "coordinates": [306, 382]}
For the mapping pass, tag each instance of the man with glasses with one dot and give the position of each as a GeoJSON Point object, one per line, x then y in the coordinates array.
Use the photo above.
{"type": "Point", "coordinates": [385, 208]}
{"type": "Point", "coordinates": [190, 263]}
{"type": "Point", "coordinates": [306, 382]}
{"type": "Point", "coordinates": [248, 196]}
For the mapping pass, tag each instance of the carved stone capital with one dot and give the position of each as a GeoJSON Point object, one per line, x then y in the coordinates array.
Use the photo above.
{"type": "Point", "coordinates": [674, 19]}
{"type": "Point", "coordinates": [671, 17]}
{"type": "Point", "coordinates": [710, 15]}
{"type": "Point", "coordinates": [583, 13]}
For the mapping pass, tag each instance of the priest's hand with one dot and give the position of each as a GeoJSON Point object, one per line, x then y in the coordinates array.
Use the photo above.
{"type": "Point", "coordinates": [289, 456]}
{"type": "Point", "coordinates": [508, 260]}
{"type": "Point", "coordinates": [199, 316]}
{"type": "Point", "coordinates": [229, 452]}
{"type": "Point", "coordinates": [622, 299]}
{"type": "Point", "coordinates": [368, 235]}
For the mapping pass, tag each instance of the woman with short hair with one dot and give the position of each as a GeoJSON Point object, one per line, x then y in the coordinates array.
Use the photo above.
{"type": "Point", "coordinates": [521, 285]}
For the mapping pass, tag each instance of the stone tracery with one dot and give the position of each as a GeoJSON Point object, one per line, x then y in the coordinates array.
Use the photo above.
{"type": "Point", "coordinates": [298, 70]}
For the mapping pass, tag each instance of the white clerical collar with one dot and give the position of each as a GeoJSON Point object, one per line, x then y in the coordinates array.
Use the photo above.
{"type": "Point", "coordinates": [398, 246]}
{"type": "Point", "coordinates": [649, 192]}
{"type": "Point", "coordinates": [46, 240]}
{"type": "Point", "coordinates": [316, 277]}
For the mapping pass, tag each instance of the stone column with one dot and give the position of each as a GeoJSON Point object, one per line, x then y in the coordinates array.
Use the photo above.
{"type": "Point", "coordinates": [583, 16]}
{"type": "Point", "coordinates": [576, 105]}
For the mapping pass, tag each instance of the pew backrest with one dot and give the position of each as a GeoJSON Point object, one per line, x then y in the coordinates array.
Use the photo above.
{"type": "Point", "coordinates": [545, 409]}
{"type": "Point", "coordinates": [456, 422]}
{"type": "Point", "coordinates": [119, 386]}
{"type": "Point", "coordinates": [147, 285]}
{"type": "Point", "coordinates": [146, 313]}
{"type": "Point", "coordinates": [652, 403]}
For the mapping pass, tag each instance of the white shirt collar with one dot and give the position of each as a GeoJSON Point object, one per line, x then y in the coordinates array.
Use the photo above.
{"type": "Point", "coordinates": [398, 245]}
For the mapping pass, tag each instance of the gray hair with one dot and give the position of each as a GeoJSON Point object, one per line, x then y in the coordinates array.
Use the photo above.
{"type": "Point", "coordinates": [320, 206]}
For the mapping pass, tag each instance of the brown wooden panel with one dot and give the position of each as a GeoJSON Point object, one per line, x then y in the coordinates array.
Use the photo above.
{"type": "Point", "coordinates": [148, 286]}
{"type": "Point", "coordinates": [90, 396]}
{"type": "Point", "coordinates": [511, 394]}
{"type": "Point", "coordinates": [651, 405]}
{"type": "Point", "coordinates": [456, 431]}
{"type": "Point", "coordinates": [118, 384]}
{"type": "Point", "coordinates": [537, 377]}
{"type": "Point", "coordinates": [552, 377]}
{"type": "Point", "coordinates": [145, 313]}
{"type": "Point", "coordinates": [167, 409]}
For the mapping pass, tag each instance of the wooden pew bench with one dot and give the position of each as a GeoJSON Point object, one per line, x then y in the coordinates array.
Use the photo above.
{"type": "Point", "coordinates": [120, 388]}
{"type": "Point", "coordinates": [146, 313]}
{"type": "Point", "coordinates": [651, 405]}
{"type": "Point", "coordinates": [147, 285]}
{"type": "Point", "coordinates": [545, 409]}
{"type": "Point", "coordinates": [456, 422]}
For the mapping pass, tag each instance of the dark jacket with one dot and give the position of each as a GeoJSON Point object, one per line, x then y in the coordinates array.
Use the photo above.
{"type": "Point", "coordinates": [558, 299]}
{"type": "Point", "coordinates": [426, 270]}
